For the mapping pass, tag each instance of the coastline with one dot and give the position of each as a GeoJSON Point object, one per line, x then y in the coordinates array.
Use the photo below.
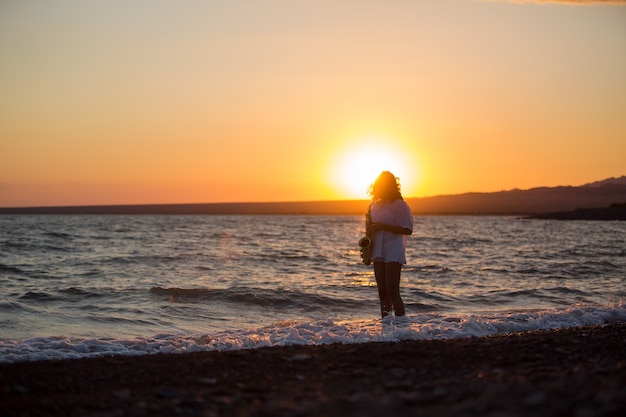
{"type": "Point", "coordinates": [615, 212]}
{"type": "Point", "coordinates": [573, 371]}
{"type": "Point", "coordinates": [534, 201]}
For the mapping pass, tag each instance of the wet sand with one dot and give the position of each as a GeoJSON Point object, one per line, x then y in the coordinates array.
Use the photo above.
{"type": "Point", "coordinates": [571, 372]}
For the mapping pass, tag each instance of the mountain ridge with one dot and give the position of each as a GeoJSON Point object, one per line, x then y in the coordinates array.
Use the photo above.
{"type": "Point", "coordinates": [612, 180]}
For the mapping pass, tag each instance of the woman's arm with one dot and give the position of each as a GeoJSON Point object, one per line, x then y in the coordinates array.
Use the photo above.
{"type": "Point", "coordinates": [389, 228]}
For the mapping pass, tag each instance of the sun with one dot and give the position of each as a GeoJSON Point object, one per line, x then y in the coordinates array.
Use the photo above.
{"type": "Point", "coordinates": [357, 166]}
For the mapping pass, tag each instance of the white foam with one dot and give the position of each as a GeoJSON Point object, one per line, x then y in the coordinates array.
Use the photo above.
{"type": "Point", "coordinates": [415, 327]}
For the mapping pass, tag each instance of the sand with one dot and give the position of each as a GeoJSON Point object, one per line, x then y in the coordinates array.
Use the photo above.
{"type": "Point", "coordinates": [571, 372]}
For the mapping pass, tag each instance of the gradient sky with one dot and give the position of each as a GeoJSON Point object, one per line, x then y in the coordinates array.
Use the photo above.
{"type": "Point", "coordinates": [130, 102]}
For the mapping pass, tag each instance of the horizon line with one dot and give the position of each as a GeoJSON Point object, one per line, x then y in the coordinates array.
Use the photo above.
{"type": "Point", "coordinates": [318, 201]}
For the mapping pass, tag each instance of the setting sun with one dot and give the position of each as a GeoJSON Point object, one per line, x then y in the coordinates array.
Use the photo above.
{"type": "Point", "coordinates": [355, 167]}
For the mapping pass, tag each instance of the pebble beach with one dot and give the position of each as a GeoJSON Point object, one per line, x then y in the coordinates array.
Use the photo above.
{"type": "Point", "coordinates": [573, 371]}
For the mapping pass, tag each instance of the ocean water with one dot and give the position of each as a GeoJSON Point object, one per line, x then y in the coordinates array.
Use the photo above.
{"type": "Point", "coordinates": [78, 286]}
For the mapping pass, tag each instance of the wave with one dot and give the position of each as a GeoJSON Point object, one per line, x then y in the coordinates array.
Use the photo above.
{"type": "Point", "coordinates": [11, 305]}
{"type": "Point", "coordinates": [79, 293]}
{"type": "Point", "coordinates": [10, 268]}
{"type": "Point", "coordinates": [426, 326]}
{"type": "Point", "coordinates": [37, 296]}
{"type": "Point", "coordinates": [59, 235]}
{"type": "Point", "coordinates": [252, 296]}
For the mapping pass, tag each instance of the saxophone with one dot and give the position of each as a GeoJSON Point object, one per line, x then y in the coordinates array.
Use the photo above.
{"type": "Point", "coordinates": [367, 242]}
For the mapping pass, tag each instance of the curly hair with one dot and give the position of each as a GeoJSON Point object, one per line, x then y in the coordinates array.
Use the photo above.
{"type": "Point", "coordinates": [386, 188]}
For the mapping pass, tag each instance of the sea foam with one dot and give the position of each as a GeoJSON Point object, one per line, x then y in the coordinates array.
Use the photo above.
{"type": "Point", "coordinates": [289, 333]}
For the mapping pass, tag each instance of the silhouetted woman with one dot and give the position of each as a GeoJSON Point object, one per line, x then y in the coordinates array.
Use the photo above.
{"type": "Point", "coordinates": [392, 223]}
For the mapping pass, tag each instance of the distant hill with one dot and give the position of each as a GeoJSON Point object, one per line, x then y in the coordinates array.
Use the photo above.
{"type": "Point", "coordinates": [600, 194]}
{"type": "Point", "coordinates": [610, 181]}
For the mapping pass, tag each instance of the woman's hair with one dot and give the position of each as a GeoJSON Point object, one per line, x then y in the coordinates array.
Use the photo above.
{"type": "Point", "coordinates": [386, 188]}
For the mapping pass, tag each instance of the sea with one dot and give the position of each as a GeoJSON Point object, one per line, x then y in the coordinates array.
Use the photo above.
{"type": "Point", "coordinates": [75, 286]}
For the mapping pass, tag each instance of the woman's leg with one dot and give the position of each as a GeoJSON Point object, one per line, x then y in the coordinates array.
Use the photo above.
{"type": "Point", "coordinates": [380, 272]}
{"type": "Point", "coordinates": [392, 276]}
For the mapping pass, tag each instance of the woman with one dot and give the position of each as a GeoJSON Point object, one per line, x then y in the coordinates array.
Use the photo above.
{"type": "Point", "coordinates": [392, 223]}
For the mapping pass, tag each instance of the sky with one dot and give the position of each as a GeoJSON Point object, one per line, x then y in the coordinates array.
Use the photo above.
{"type": "Point", "coordinates": [156, 102]}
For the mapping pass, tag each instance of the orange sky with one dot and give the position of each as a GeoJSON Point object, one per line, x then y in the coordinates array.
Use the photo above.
{"type": "Point", "coordinates": [155, 101]}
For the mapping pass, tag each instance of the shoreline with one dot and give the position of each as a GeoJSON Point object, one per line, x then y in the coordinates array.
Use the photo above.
{"type": "Point", "coordinates": [572, 371]}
